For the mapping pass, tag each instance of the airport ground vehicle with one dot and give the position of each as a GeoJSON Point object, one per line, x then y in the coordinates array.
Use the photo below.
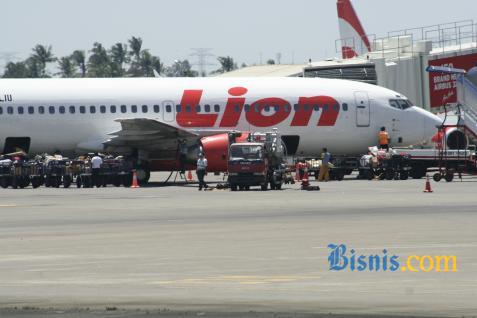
{"type": "Point", "coordinates": [115, 171]}
{"type": "Point", "coordinates": [57, 172]}
{"type": "Point", "coordinates": [389, 165]}
{"type": "Point", "coordinates": [259, 161]}
{"type": "Point", "coordinates": [339, 167]}
{"type": "Point", "coordinates": [443, 162]}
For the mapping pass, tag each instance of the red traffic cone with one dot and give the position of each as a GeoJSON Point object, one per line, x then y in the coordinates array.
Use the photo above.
{"type": "Point", "coordinates": [135, 184]}
{"type": "Point", "coordinates": [428, 189]}
{"type": "Point", "coordinates": [189, 176]}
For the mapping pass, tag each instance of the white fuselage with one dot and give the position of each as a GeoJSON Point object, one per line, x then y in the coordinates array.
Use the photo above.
{"type": "Point", "coordinates": [91, 107]}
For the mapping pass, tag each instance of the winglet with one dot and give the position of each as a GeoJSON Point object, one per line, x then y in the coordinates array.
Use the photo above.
{"type": "Point", "coordinates": [353, 38]}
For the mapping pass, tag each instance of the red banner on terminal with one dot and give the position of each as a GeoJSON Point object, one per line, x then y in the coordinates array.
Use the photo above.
{"type": "Point", "coordinates": [442, 87]}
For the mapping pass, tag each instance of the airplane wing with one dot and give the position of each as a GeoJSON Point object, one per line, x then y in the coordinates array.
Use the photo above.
{"type": "Point", "coordinates": [146, 134]}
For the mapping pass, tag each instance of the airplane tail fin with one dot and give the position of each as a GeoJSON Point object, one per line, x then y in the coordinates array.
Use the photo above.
{"type": "Point", "coordinates": [354, 41]}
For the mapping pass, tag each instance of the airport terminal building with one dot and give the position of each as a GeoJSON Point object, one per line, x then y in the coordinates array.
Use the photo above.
{"type": "Point", "coordinates": [397, 61]}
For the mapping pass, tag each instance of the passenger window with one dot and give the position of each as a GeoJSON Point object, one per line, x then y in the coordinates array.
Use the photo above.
{"type": "Point", "coordinates": [316, 108]}
{"type": "Point", "coordinates": [336, 107]}
{"type": "Point", "coordinates": [217, 108]}
{"type": "Point", "coordinates": [82, 109]}
{"type": "Point", "coordinates": [112, 109]}
{"type": "Point", "coordinates": [187, 108]}
{"type": "Point", "coordinates": [61, 109]}
{"type": "Point", "coordinates": [31, 110]}
{"type": "Point", "coordinates": [51, 110]}
{"type": "Point", "coordinates": [10, 110]}
{"type": "Point", "coordinates": [296, 107]}
{"type": "Point", "coordinates": [133, 108]}
{"type": "Point", "coordinates": [306, 107]}
{"type": "Point", "coordinates": [156, 108]}
{"type": "Point", "coordinates": [102, 109]}
{"type": "Point", "coordinates": [256, 108]}
{"type": "Point", "coordinates": [144, 108]}
{"type": "Point", "coordinates": [92, 109]}
{"type": "Point", "coordinates": [41, 109]}
{"type": "Point", "coordinates": [325, 107]}
{"type": "Point", "coordinates": [1, 110]}
{"type": "Point", "coordinates": [20, 110]}
{"type": "Point", "coordinates": [197, 109]}
{"type": "Point", "coordinates": [345, 107]}
{"type": "Point", "coordinates": [267, 108]}
{"type": "Point", "coordinates": [123, 109]}
{"type": "Point", "coordinates": [237, 108]}
{"type": "Point", "coordinates": [287, 108]}
{"type": "Point", "coordinates": [72, 110]}
{"type": "Point", "coordinates": [168, 108]}
{"type": "Point", "coordinates": [178, 108]}
{"type": "Point", "coordinates": [277, 108]}
{"type": "Point", "coordinates": [207, 108]}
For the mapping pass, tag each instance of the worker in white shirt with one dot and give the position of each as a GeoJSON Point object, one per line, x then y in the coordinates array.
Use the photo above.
{"type": "Point", "coordinates": [96, 163]}
{"type": "Point", "coordinates": [201, 170]}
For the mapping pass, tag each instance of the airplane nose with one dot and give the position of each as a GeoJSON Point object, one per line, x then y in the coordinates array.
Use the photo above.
{"type": "Point", "coordinates": [430, 124]}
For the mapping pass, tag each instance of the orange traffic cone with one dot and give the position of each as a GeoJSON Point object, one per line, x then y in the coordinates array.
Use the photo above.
{"type": "Point", "coordinates": [189, 176]}
{"type": "Point", "coordinates": [428, 189]}
{"type": "Point", "coordinates": [135, 184]}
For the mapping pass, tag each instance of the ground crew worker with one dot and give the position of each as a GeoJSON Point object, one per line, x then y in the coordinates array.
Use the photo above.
{"type": "Point", "coordinates": [201, 170]}
{"type": "Point", "coordinates": [182, 155]}
{"type": "Point", "coordinates": [383, 139]}
{"type": "Point", "coordinates": [325, 166]}
{"type": "Point", "coordinates": [96, 163]}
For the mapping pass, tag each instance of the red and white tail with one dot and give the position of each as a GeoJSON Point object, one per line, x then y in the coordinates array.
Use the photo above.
{"type": "Point", "coordinates": [353, 38]}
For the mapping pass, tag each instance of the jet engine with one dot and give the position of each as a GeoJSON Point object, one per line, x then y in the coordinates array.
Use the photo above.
{"type": "Point", "coordinates": [456, 139]}
{"type": "Point", "coordinates": [216, 149]}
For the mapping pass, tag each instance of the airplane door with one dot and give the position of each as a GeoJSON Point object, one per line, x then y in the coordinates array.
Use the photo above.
{"type": "Point", "coordinates": [362, 109]}
{"type": "Point", "coordinates": [168, 111]}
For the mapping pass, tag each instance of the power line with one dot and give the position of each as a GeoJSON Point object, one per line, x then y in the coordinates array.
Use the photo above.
{"type": "Point", "coordinates": [202, 54]}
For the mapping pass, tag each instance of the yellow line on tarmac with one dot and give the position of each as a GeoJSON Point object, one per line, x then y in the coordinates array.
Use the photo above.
{"type": "Point", "coordinates": [7, 205]}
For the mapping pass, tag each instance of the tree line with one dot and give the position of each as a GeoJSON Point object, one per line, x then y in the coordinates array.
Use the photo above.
{"type": "Point", "coordinates": [121, 60]}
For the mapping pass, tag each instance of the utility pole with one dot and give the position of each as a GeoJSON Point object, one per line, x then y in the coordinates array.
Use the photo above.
{"type": "Point", "coordinates": [202, 54]}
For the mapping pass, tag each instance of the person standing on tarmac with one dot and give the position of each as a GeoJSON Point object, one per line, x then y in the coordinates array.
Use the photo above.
{"type": "Point", "coordinates": [383, 139]}
{"type": "Point", "coordinates": [96, 163]}
{"type": "Point", "coordinates": [201, 170]}
{"type": "Point", "coordinates": [182, 156]}
{"type": "Point", "coordinates": [325, 166]}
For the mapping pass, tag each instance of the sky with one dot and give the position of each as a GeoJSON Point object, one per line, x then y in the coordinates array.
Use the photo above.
{"type": "Point", "coordinates": [251, 31]}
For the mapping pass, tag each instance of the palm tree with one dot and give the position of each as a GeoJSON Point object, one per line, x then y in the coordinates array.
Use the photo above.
{"type": "Point", "coordinates": [99, 64]}
{"type": "Point", "coordinates": [135, 44]}
{"type": "Point", "coordinates": [67, 67]}
{"type": "Point", "coordinates": [79, 59]}
{"type": "Point", "coordinates": [227, 64]}
{"type": "Point", "coordinates": [119, 56]}
{"type": "Point", "coordinates": [43, 55]}
{"type": "Point", "coordinates": [16, 70]}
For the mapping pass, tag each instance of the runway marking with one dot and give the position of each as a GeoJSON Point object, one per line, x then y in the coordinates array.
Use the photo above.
{"type": "Point", "coordinates": [7, 205]}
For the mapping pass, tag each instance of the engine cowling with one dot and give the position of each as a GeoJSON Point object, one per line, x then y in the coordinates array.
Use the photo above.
{"type": "Point", "coordinates": [455, 139]}
{"type": "Point", "coordinates": [216, 150]}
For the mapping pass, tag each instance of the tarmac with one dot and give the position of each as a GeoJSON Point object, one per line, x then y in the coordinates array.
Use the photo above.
{"type": "Point", "coordinates": [174, 251]}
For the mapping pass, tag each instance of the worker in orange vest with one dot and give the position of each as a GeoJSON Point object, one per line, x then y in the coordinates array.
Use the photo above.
{"type": "Point", "coordinates": [383, 139]}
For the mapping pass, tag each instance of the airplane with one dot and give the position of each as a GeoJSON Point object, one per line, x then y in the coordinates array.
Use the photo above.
{"type": "Point", "coordinates": [354, 41]}
{"type": "Point", "coordinates": [147, 118]}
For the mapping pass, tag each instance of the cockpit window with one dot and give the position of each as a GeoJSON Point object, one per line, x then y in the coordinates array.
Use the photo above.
{"type": "Point", "coordinates": [400, 103]}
